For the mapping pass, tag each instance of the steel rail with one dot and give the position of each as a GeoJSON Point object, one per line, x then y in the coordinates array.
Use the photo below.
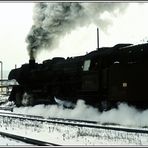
{"type": "Point", "coordinates": [28, 140]}
{"type": "Point", "coordinates": [78, 123]}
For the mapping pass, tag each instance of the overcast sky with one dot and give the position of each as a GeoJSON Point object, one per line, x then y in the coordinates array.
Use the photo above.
{"type": "Point", "coordinates": [16, 21]}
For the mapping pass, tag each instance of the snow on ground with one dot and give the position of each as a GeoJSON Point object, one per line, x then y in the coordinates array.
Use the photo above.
{"type": "Point", "coordinates": [124, 115]}
{"type": "Point", "coordinates": [4, 141]}
{"type": "Point", "coordinates": [70, 135]}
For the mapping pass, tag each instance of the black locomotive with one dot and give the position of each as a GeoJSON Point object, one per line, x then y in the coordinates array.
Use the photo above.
{"type": "Point", "coordinates": [103, 78]}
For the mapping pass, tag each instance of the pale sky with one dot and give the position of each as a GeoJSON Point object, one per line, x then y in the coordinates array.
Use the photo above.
{"type": "Point", "coordinates": [16, 21]}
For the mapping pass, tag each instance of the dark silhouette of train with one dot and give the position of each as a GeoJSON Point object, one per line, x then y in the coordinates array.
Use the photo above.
{"type": "Point", "coordinates": [103, 78]}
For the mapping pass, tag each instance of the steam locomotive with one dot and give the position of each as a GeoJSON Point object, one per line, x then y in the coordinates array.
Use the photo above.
{"type": "Point", "coordinates": [103, 78]}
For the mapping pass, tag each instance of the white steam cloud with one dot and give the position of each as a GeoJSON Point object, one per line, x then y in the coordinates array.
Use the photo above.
{"type": "Point", "coordinates": [124, 115]}
{"type": "Point", "coordinates": [54, 20]}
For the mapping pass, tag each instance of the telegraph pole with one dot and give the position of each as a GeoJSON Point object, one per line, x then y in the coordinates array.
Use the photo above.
{"type": "Point", "coordinates": [97, 38]}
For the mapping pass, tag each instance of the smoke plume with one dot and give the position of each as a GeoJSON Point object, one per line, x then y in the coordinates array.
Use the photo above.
{"type": "Point", "coordinates": [54, 20]}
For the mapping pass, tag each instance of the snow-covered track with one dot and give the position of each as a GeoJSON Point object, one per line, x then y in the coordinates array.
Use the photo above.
{"type": "Point", "coordinates": [70, 132]}
{"type": "Point", "coordinates": [27, 140]}
{"type": "Point", "coordinates": [74, 122]}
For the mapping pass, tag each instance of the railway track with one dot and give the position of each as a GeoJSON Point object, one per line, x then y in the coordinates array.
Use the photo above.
{"type": "Point", "coordinates": [27, 140]}
{"type": "Point", "coordinates": [75, 122]}
{"type": "Point", "coordinates": [59, 131]}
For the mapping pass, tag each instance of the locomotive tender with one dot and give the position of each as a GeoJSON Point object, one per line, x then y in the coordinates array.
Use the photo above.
{"type": "Point", "coordinates": [103, 78]}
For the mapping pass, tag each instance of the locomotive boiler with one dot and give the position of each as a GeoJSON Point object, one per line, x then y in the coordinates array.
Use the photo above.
{"type": "Point", "coordinates": [103, 78]}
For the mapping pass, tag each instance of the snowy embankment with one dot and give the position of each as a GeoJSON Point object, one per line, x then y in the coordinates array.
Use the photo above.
{"type": "Point", "coordinates": [67, 135]}
{"type": "Point", "coordinates": [5, 141]}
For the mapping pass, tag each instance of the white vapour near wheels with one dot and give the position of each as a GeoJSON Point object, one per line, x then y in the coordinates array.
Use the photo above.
{"type": "Point", "coordinates": [104, 106]}
{"type": "Point", "coordinates": [27, 99]}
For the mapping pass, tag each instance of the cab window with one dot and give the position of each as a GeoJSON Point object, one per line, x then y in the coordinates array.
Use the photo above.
{"type": "Point", "coordinates": [86, 65]}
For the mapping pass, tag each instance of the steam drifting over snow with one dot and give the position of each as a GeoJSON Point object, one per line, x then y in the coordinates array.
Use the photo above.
{"type": "Point", "coordinates": [124, 115]}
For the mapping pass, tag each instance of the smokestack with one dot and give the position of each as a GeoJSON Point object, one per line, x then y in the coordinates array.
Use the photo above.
{"type": "Point", "coordinates": [97, 38]}
{"type": "Point", "coordinates": [32, 59]}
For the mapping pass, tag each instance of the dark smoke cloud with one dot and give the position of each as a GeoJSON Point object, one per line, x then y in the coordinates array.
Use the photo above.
{"type": "Point", "coordinates": [54, 20]}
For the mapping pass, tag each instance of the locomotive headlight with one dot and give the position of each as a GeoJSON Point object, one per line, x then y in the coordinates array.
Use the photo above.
{"type": "Point", "coordinates": [124, 84]}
